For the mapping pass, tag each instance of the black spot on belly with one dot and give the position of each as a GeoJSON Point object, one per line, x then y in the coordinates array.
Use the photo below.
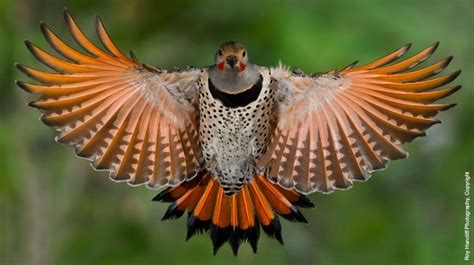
{"type": "Point", "coordinates": [237, 100]}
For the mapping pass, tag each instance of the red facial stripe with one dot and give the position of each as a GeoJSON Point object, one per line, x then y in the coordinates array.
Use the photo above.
{"type": "Point", "coordinates": [242, 67]}
{"type": "Point", "coordinates": [220, 67]}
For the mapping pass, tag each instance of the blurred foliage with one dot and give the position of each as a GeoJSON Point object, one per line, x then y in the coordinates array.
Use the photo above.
{"type": "Point", "coordinates": [54, 209]}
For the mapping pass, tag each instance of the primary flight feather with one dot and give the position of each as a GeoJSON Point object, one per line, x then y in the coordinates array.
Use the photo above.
{"type": "Point", "coordinates": [236, 144]}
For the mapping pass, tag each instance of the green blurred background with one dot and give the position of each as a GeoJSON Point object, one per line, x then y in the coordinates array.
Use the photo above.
{"type": "Point", "coordinates": [54, 209]}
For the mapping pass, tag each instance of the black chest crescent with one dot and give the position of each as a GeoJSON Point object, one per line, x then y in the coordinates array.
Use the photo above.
{"type": "Point", "coordinates": [237, 100]}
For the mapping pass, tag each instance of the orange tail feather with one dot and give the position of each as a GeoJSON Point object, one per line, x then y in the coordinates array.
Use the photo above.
{"type": "Point", "coordinates": [237, 218]}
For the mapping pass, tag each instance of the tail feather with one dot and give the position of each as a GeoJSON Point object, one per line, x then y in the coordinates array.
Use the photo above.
{"type": "Point", "coordinates": [281, 204]}
{"type": "Point", "coordinates": [297, 199]}
{"type": "Point", "coordinates": [273, 229]}
{"type": "Point", "coordinates": [262, 207]}
{"type": "Point", "coordinates": [172, 194]}
{"type": "Point", "coordinates": [246, 209]}
{"type": "Point", "coordinates": [237, 218]}
{"type": "Point", "coordinates": [196, 226]}
{"type": "Point", "coordinates": [205, 207]}
{"type": "Point", "coordinates": [172, 212]}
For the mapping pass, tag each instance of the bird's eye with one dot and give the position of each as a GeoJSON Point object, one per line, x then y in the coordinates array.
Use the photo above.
{"type": "Point", "coordinates": [220, 52]}
{"type": "Point", "coordinates": [244, 53]}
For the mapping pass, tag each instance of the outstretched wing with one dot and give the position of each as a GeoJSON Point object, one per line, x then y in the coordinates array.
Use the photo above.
{"type": "Point", "coordinates": [133, 120]}
{"type": "Point", "coordinates": [338, 127]}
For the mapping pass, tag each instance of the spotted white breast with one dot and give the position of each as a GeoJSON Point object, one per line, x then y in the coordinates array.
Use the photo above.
{"type": "Point", "coordinates": [234, 134]}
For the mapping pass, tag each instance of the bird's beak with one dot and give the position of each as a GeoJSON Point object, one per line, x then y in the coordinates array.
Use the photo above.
{"type": "Point", "coordinates": [231, 60]}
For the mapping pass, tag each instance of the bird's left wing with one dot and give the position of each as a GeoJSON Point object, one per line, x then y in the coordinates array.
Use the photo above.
{"type": "Point", "coordinates": [338, 127]}
{"type": "Point", "coordinates": [134, 120]}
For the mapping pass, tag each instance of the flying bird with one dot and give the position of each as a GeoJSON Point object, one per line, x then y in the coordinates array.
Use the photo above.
{"type": "Point", "coordinates": [234, 144]}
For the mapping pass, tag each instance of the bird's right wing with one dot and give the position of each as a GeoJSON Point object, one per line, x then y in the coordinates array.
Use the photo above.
{"type": "Point", "coordinates": [136, 121]}
{"type": "Point", "coordinates": [338, 127]}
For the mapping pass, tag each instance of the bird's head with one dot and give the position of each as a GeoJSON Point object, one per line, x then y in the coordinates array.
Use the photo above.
{"type": "Point", "coordinates": [231, 57]}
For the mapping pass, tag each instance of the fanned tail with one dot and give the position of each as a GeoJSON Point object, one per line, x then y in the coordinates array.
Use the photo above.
{"type": "Point", "coordinates": [237, 218]}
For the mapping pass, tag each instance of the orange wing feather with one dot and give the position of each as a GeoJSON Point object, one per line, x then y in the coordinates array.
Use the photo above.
{"type": "Point", "coordinates": [115, 111]}
{"type": "Point", "coordinates": [339, 127]}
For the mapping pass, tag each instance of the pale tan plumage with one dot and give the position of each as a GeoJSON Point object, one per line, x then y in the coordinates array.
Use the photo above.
{"type": "Point", "coordinates": [302, 133]}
